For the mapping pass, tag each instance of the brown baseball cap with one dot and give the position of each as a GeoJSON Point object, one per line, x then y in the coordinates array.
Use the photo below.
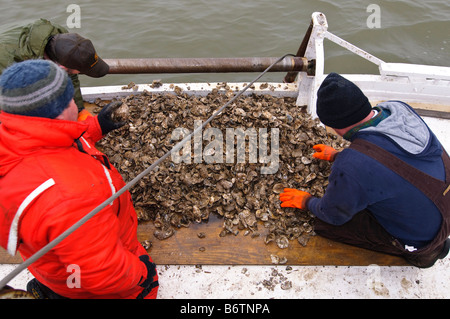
{"type": "Point", "coordinates": [75, 52]}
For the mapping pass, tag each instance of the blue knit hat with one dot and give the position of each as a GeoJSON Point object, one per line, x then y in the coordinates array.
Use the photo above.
{"type": "Point", "coordinates": [35, 88]}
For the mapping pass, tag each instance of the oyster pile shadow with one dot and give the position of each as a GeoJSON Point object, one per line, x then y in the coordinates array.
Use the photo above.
{"type": "Point", "coordinates": [177, 194]}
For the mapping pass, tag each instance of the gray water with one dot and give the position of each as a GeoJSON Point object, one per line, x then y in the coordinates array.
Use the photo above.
{"type": "Point", "coordinates": [409, 31]}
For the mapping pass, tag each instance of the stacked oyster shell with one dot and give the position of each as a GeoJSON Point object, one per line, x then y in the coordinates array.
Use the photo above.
{"type": "Point", "coordinates": [177, 194]}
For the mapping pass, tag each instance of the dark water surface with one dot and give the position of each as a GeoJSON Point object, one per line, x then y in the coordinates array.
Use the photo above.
{"type": "Point", "coordinates": [410, 31]}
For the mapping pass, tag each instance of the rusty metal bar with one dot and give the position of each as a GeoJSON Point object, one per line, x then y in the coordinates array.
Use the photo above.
{"type": "Point", "coordinates": [292, 75]}
{"type": "Point", "coordinates": [205, 65]}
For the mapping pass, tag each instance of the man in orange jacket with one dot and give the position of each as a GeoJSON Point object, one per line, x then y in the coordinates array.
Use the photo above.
{"type": "Point", "coordinates": [51, 176]}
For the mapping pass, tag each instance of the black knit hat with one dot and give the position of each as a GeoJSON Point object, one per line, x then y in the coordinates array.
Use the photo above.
{"type": "Point", "coordinates": [340, 103]}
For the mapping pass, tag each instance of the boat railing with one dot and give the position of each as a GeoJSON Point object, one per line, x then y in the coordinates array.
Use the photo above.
{"type": "Point", "coordinates": [423, 85]}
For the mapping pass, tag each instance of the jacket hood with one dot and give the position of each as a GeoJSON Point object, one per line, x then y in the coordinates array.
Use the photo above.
{"type": "Point", "coordinates": [24, 136]}
{"type": "Point", "coordinates": [34, 37]}
{"type": "Point", "coordinates": [404, 127]}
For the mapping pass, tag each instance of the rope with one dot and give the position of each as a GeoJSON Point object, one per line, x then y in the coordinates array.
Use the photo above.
{"type": "Point", "coordinates": [176, 148]}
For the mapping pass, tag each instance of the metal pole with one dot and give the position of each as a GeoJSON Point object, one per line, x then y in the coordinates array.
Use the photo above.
{"type": "Point", "coordinates": [292, 75]}
{"type": "Point", "coordinates": [205, 65]}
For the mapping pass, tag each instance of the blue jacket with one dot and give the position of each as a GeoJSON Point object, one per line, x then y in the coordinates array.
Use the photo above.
{"type": "Point", "coordinates": [359, 182]}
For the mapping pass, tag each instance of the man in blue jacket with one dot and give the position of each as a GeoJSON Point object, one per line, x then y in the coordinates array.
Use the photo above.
{"type": "Point", "coordinates": [387, 191]}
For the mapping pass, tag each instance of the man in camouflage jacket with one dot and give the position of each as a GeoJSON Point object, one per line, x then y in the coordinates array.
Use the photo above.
{"type": "Point", "coordinates": [43, 39]}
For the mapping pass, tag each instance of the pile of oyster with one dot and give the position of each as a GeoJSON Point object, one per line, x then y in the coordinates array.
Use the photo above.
{"type": "Point", "coordinates": [205, 177]}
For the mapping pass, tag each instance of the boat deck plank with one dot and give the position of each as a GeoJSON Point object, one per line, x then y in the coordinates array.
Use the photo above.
{"type": "Point", "coordinates": [186, 248]}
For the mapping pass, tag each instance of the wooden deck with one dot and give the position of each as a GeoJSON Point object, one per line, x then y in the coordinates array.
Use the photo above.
{"type": "Point", "coordinates": [186, 248]}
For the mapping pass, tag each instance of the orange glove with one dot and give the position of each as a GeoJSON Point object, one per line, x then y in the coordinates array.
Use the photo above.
{"type": "Point", "coordinates": [83, 115]}
{"type": "Point", "coordinates": [324, 152]}
{"type": "Point", "coordinates": [294, 198]}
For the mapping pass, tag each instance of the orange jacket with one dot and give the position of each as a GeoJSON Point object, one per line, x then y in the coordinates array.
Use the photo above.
{"type": "Point", "coordinates": [51, 176]}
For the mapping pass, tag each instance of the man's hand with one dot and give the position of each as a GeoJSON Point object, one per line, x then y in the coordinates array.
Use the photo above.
{"type": "Point", "coordinates": [324, 152]}
{"type": "Point", "coordinates": [151, 271]}
{"type": "Point", "coordinates": [294, 198]}
{"type": "Point", "coordinates": [105, 120]}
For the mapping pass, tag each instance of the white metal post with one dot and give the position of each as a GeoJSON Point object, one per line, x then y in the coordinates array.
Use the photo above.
{"type": "Point", "coordinates": [308, 85]}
